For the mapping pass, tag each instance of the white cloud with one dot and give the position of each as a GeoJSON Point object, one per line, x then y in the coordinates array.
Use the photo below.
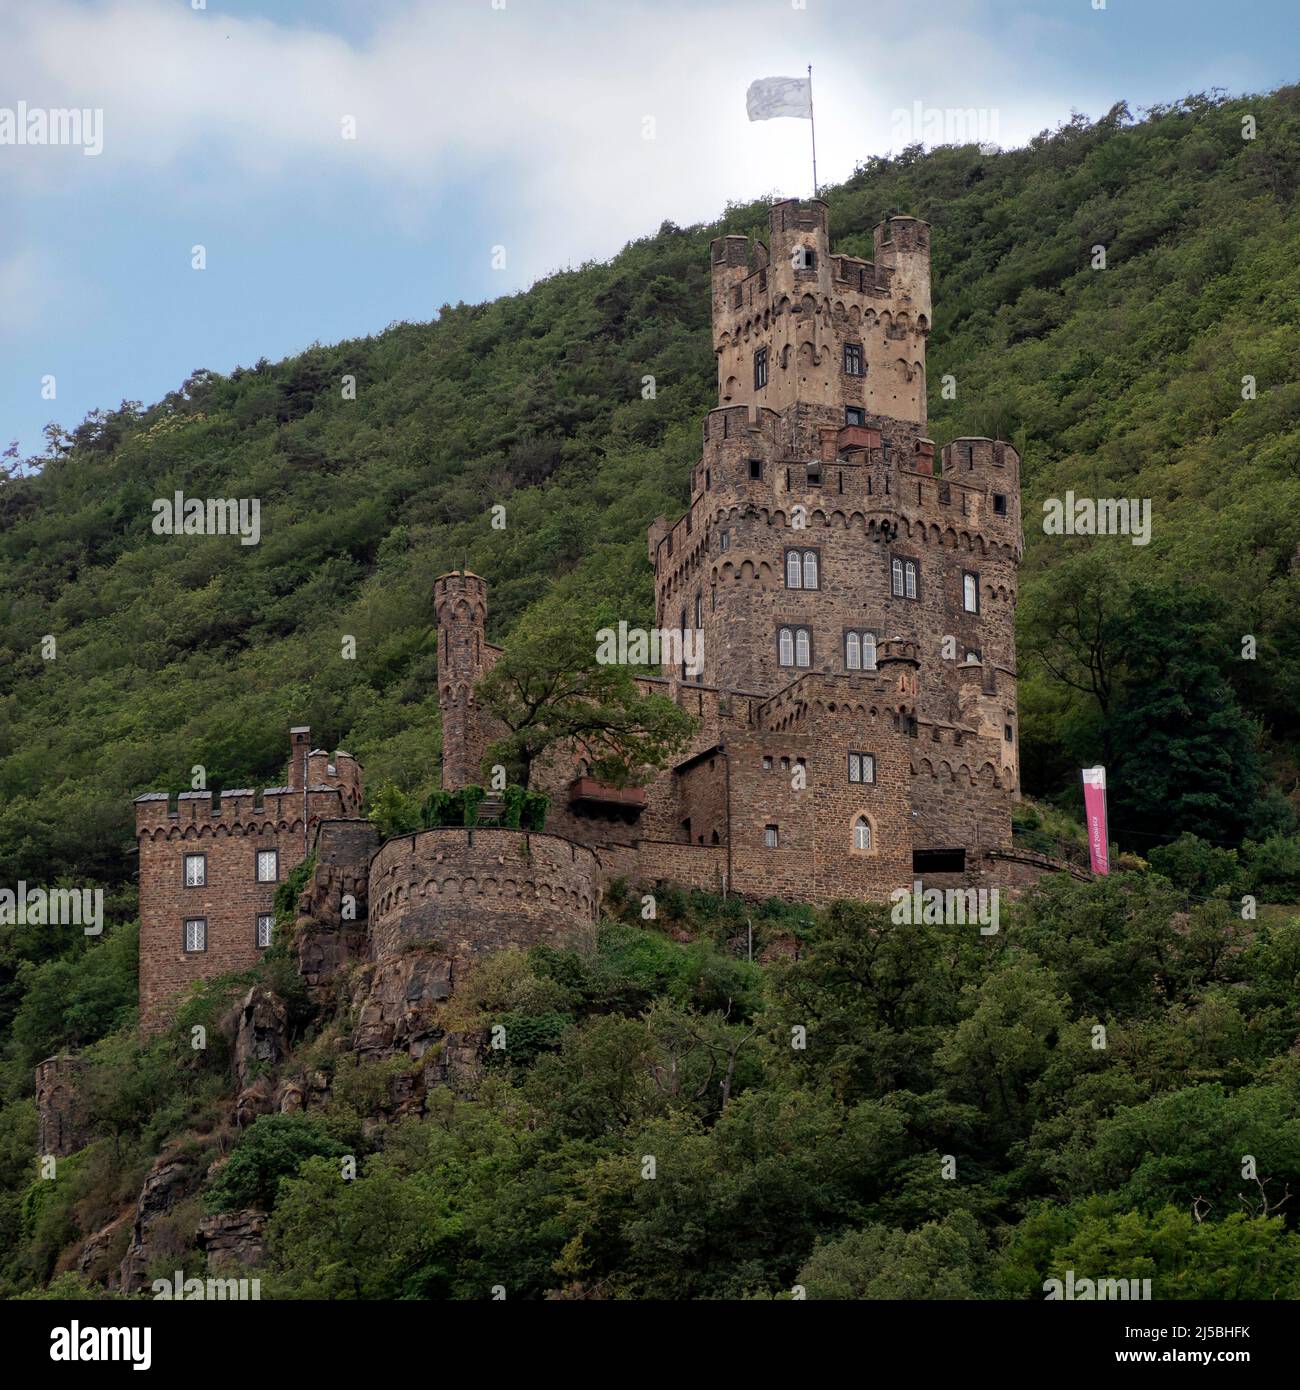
{"type": "Point", "coordinates": [540, 104]}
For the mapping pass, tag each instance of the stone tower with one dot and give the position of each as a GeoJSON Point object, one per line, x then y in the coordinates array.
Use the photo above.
{"type": "Point", "coordinates": [818, 529]}
{"type": "Point", "coordinates": [785, 329]}
{"type": "Point", "coordinates": [460, 603]}
{"type": "Point", "coordinates": [210, 868]}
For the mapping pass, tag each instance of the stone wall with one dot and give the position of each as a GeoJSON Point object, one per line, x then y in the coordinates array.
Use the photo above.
{"type": "Point", "coordinates": [333, 907]}
{"type": "Point", "coordinates": [60, 1127]}
{"type": "Point", "coordinates": [466, 893]}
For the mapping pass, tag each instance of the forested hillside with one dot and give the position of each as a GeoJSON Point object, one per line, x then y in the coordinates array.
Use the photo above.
{"type": "Point", "coordinates": [1118, 382]}
{"type": "Point", "coordinates": [1168, 375]}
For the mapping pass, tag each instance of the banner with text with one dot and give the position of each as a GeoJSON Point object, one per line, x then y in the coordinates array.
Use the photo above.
{"type": "Point", "coordinates": [1094, 810]}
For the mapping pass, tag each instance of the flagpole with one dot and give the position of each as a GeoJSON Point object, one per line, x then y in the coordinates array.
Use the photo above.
{"type": "Point", "coordinates": [812, 122]}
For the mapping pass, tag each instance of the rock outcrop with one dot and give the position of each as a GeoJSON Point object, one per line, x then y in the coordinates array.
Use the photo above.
{"type": "Point", "coordinates": [259, 1034]}
{"type": "Point", "coordinates": [233, 1239]}
{"type": "Point", "coordinates": [330, 933]}
{"type": "Point", "coordinates": [173, 1177]}
{"type": "Point", "coordinates": [96, 1259]}
{"type": "Point", "coordinates": [458, 1063]}
{"type": "Point", "coordinates": [398, 1010]}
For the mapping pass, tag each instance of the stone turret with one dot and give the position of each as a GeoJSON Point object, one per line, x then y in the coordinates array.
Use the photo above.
{"type": "Point", "coordinates": [460, 603]}
{"type": "Point", "coordinates": [797, 324]}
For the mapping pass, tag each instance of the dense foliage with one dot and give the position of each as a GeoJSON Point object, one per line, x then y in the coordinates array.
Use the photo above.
{"type": "Point", "coordinates": [128, 660]}
{"type": "Point", "coordinates": [1108, 1086]}
{"type": "Point", "coordinates": [173, 651]}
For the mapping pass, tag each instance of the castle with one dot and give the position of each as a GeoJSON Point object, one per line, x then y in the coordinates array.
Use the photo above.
{"type": "Point", "coordinates": [856, 701]}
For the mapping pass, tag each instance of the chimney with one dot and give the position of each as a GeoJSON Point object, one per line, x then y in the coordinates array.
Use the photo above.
{"type": "Point", "coordinates": [299, 748]}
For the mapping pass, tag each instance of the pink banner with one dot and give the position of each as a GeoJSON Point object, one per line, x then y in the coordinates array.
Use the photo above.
{"type": "Point", "coordinates": [1094, 810]}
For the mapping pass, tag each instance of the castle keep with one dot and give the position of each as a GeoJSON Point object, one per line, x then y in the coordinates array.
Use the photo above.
{"type": "Point", "coordinates": [856, 702]}
{"type": "Point", "coordinates": [854, 593]}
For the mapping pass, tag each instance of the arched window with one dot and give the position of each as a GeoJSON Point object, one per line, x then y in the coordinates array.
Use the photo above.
{"type": "Point", "coordinates": [862, 834]}
{"type": "Point", "coordinates": [786, 643]}
{"type": "Point", "coordinates": [904, 575]}
{"type": "Point", "coordinates": [801, 647]}
{"type": "Point", "coordinates": [793, 573]}
{"type": "Point", "coordinates": [859, 651]}
{"type": "Point", "coordinates": [810, 569]}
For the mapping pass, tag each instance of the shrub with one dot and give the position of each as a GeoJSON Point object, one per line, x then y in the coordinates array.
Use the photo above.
{"type": "Point", "coordinates": [1195, 865]}
{"type": "Point", "coordinates": [393, 812]}
{"type": "Point", "coordinates": [471, 796]}
{"type": "Point", "coordinates": [1273, 867]}
{"type": "Point", "coordinates": [440, 808]}
{"type": "Point", "coordinates": [512, 815]}
{"type": "Point", "coordinates": [272, 1149]}
{"type": "Point", "coordinates": [75, 1000]}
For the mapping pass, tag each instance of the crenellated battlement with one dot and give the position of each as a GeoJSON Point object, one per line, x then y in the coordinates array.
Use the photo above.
{"type": "Point", "coordinates": [797, 260]}
{"type": "Point", "coordinates": [333, 788]}
{"type": "Point", "coordinates": [740, 421]}
{"type": "Point", "coordinates": [792, 322]}
{"type": "Point", "coordinates": [211, 865]}
{"type": "Point", "coordinates": [973, 458]}
{"type": "Point", "coordinates": [460, 595]}
{"type": "Point", "coordinates": [856, 706]}
{"type": "Point", "coordinates": [237, 812]}
{"type": "Point", "coordinates": [865, 696]}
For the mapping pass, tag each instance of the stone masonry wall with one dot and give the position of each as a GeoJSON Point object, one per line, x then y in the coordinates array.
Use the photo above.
{"type": "Point", "coordinates": [465, 893]}
{"type": "Point", "coordinates": [228, 833]}
{"type": "Point", "coordinates": [61, 1128]}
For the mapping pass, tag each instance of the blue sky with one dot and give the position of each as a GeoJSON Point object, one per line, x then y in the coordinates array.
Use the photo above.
{"type": "Point", "coordinates": [520, 126]}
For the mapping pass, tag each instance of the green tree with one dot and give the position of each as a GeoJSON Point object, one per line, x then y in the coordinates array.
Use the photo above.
{"type": "Point", "coordinates": [272, 1149]}
{"type": "Point", "coordinates": [941, 1259]}
{"type": "Point", "coordinates": [549, 689]}
{"type": "Point", "coordinates": [75, 1000]}
{"type": "Point", "coordinates": [872, 998]}
{"type": "Point", "coordinates": [995, 1055]}
{"type": "Point", "coordinates": [1184, 755]}
{"type": "Point", "coordinates": [1238, 1257]}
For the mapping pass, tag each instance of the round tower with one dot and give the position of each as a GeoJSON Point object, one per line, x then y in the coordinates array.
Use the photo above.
{"type": "Point", "coordinates": [460, 606]}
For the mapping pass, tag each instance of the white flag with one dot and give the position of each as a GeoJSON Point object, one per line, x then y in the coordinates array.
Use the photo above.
{"type": "Point", "coordinates": [779, 96]}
